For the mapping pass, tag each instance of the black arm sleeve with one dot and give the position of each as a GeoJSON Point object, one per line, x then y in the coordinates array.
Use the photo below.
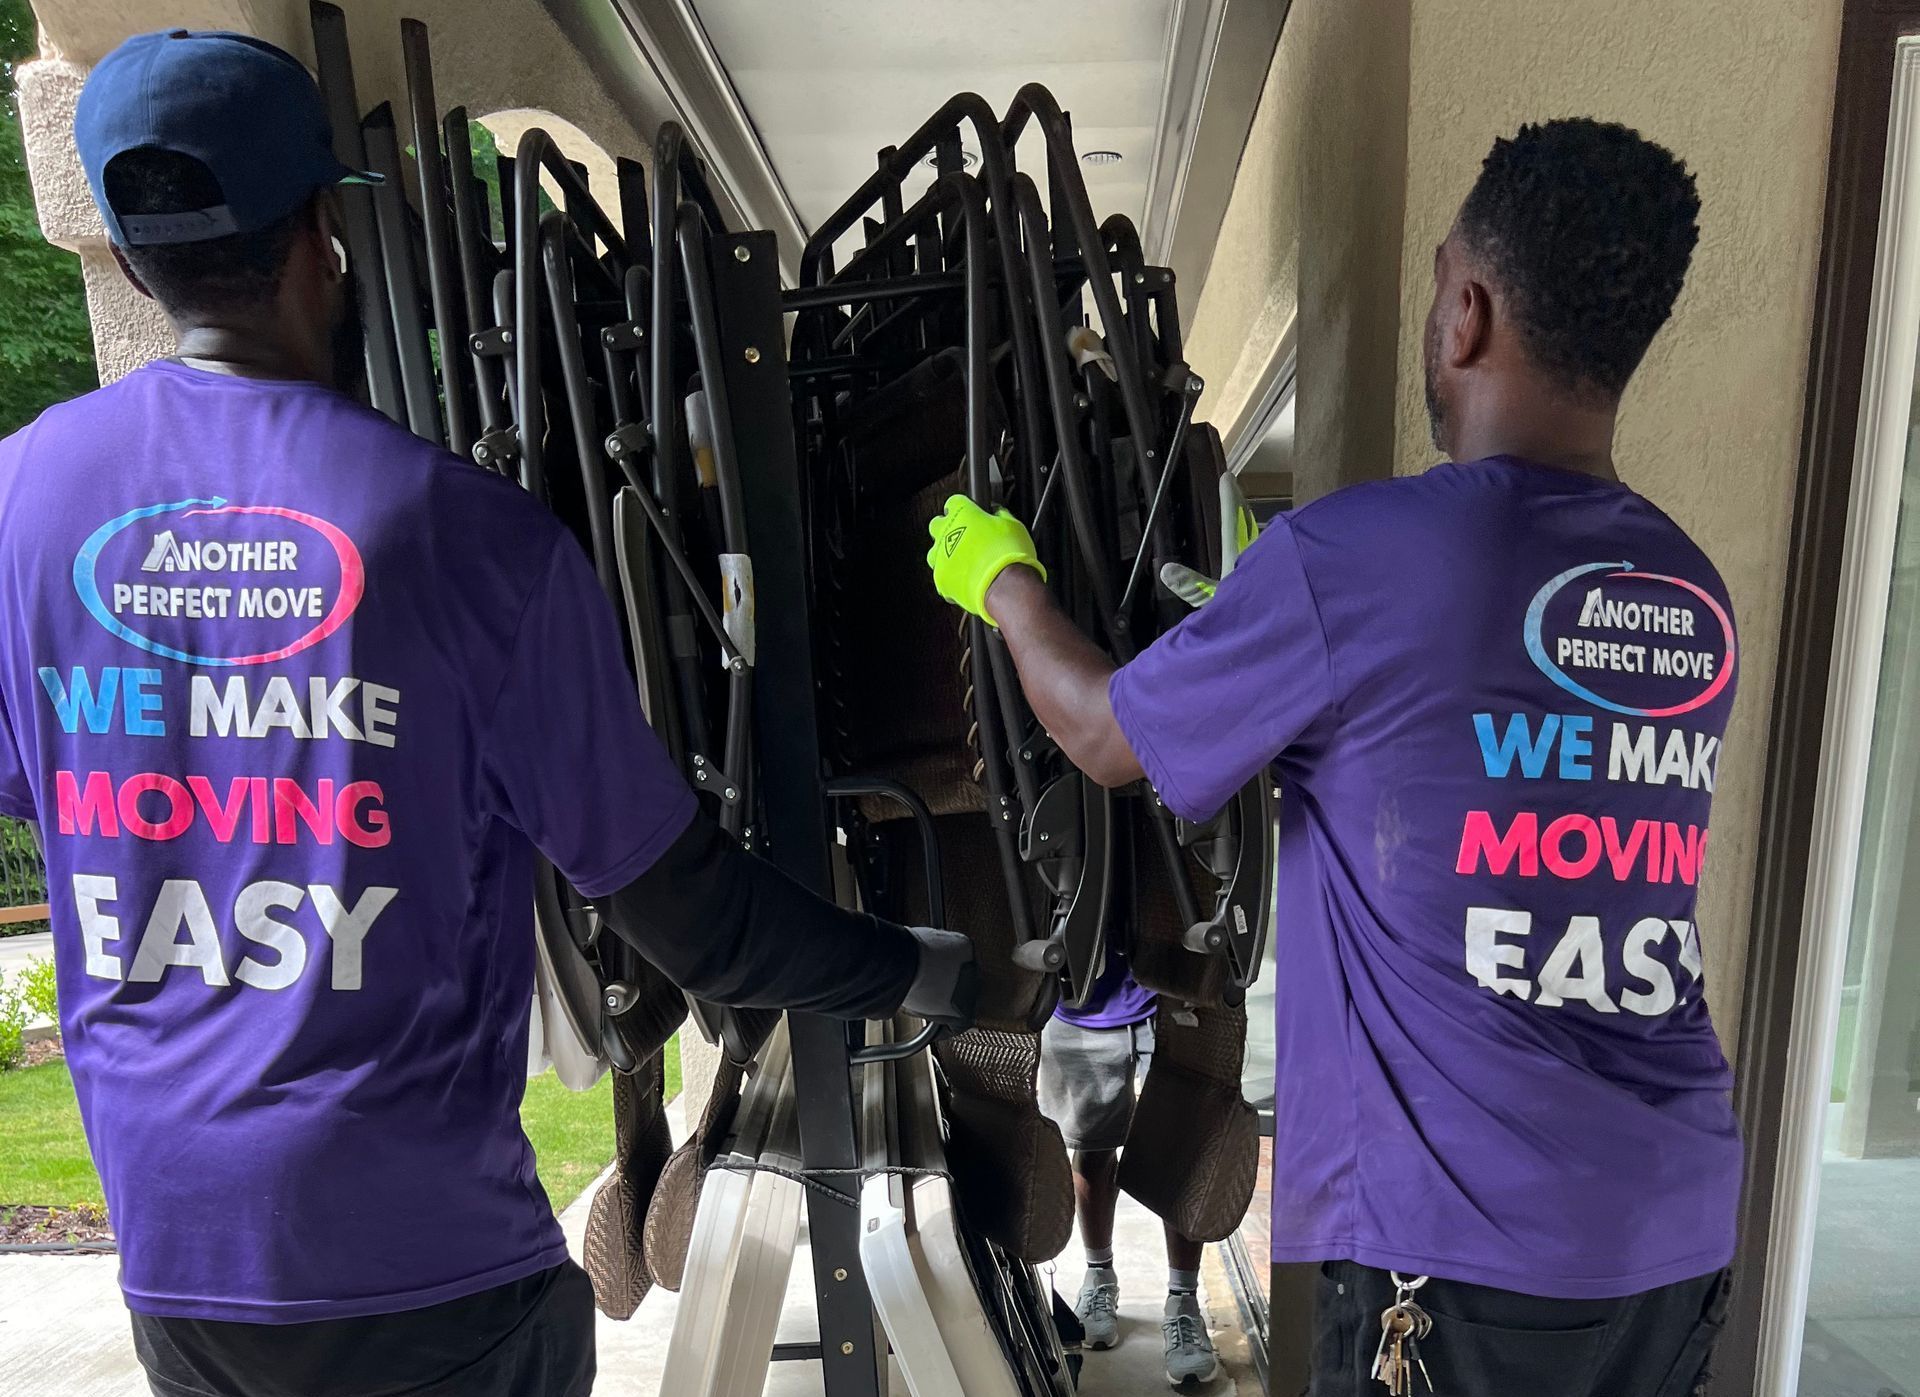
{"type": "Point", "coordinates": [733, 929]}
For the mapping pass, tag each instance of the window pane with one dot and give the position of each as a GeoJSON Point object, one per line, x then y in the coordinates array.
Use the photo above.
{"type": "Point", "coordinates": [1863, 1308]}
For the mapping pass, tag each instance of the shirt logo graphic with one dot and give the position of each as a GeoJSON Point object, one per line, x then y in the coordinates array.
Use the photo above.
{"type": "Point", "coordinates": [220, 584]}
{"type": "Point", "coordinates": [165, 553]}
{"type": "Point", "coordinates": [1625, 631]}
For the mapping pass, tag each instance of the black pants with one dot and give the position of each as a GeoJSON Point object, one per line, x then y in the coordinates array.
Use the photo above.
{"type": "Point", "coordinates": [529, 1338]}
{"type": "Point", "coordinates": [1496, 1343]}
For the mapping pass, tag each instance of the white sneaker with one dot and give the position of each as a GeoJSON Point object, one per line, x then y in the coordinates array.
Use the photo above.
{"type": "Point", "coordinates": [1190, 1355]}
{"type": "Point", "coordinates": [1099, 1307]}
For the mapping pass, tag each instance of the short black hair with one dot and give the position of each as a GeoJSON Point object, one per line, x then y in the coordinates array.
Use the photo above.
{"type": "Point", "coordinates": [220, 275]}
{"type": "Point", "coordinates": [1588, 227]}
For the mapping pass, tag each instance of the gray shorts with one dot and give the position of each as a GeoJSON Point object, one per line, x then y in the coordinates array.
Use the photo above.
{"type": "Point", "coordinates": [1087, 1079]}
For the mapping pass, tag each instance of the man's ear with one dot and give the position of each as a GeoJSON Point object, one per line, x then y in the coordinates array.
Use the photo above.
{"type": "Point", "coordinates": [1472, 329]}
{"type": "Point", "coordinates": [330, 241]}
{"type": "Point", "coordinates": [127, 271]}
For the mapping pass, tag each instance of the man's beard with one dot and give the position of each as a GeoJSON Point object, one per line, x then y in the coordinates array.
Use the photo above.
{"type": "Point", "coordinates": [1436, 410]}
{"type": "Point", "coordinates": [348, 339]}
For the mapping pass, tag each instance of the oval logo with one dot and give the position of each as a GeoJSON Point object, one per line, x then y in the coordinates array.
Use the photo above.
{"type": "Point", "coordinates": [1636, 635]}
{"type": "Point", "coordinates": [217, 584]}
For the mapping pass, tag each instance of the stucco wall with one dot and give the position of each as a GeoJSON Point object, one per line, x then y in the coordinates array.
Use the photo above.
{"type": "Point", "coordinates": [1313, 230]}
{"type": "Point", "coordinates": [1710, 429]}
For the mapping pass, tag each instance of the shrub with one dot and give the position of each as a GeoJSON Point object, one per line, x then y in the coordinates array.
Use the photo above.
{"type": "Point", "coordinates": [13, 1026]}
{"type": "Point", "coordinates": [38, 988]}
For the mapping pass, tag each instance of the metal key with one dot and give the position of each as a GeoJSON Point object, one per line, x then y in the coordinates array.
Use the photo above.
{"type": "Point", "coordinates": [1422, 1326]}
{"type": "Point", "coordinates": [1403, 1324]}
{"type": "Point", "coordinates": [1390, 1365]}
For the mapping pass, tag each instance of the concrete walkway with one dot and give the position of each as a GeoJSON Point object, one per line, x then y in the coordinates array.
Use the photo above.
{"type": "Point", "coordinates": [63, 1332]}
{"type": "Point", "coordinates": [633, 1354]}
{"type": "Point", "coordinates": [16, 952]}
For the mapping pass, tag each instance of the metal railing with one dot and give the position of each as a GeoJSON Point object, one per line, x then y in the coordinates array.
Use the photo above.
{"type": "Point", "coordinates": [23, 879]}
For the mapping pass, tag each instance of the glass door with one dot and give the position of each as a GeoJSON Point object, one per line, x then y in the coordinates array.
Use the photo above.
{"type": "Point", "coordinates": [1844, 1295]}
{"type": "Point", "coordinates": [1862, 1328]}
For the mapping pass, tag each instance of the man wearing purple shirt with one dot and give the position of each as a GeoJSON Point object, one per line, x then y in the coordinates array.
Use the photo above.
{"type": "Point", "coordinates": [1493, 695]}
{"type": "Point", "coordinates": [1089, 1060]}
{"type": "Point", "coordinates": [294, 696]}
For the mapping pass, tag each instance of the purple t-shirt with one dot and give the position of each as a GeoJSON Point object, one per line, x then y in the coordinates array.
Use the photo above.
{"type": "Point", "coordinates": [1494, 696]}
{"type": "Point", "coordinates": [1115, 1001]}
{"type": "Point", "coordinates": [294, 696]}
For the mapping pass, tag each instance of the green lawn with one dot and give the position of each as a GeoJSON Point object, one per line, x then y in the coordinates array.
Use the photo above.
{"type": "Point", "coordinates": [44, 1160]}
{"type": "Point", "coordinates": [572, 1131]}
{"type": "Point", "coordinates": [43, 1155]}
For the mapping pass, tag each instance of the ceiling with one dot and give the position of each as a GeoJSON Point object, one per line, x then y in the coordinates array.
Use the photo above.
{"type": "Point", "coordinates": [789, 101]}
{"type": "Point", "coordinates": [828, 83]}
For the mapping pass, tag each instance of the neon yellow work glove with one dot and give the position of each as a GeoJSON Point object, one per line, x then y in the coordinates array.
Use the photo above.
{"type": "Point", "coordinates": [972, 547]}
{"type": "Point", "coordinates": [1196, 589]}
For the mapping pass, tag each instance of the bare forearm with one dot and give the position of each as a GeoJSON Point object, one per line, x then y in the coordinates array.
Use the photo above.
{"type": "Point", "coordinates": [1064, 676]}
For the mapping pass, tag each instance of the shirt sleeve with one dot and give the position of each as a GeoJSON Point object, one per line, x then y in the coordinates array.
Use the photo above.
{"type": "Point", "coordinates": [572, 761]}
{"type": "Point", "coordinates": [1225, 692]}
{"type": "Point", "coordinates": [16, 790]}
{"type": "Point", "coordinates": [16, 785]}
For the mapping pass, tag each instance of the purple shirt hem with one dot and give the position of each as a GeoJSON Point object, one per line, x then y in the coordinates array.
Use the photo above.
{"type": "Point", "coordinates": [303, 1311]}
{"type": "Point", "coordinates": [1158, 772]}
{"type": "Point", "coordinates": [1547, 1285]}
{"type": "Point", "coordinates": [1107, 1019]}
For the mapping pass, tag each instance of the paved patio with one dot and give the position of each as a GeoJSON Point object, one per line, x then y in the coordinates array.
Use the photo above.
{"type": "Point", "coordinates": [1863, 1305]}
{"type": "Point", "coordinates": [632, 1354]}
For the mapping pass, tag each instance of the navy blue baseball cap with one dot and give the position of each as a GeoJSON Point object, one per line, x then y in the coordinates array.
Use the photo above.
{"type": "Point", "coordinates": [249, 112]}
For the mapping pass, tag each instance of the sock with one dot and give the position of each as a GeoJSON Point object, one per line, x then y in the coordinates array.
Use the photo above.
{"type": "Point", "coordinates": [1100, 1260]}
{"type": "Point", "coordinates": [1182, 1282]}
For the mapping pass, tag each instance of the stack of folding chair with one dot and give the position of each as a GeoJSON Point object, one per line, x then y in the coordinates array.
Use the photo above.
{"type": "Point", "coordinates": [971, 345]}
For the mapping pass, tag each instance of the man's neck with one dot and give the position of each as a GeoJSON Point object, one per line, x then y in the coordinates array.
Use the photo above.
{"type": "Point", "coordinates": [1558, 431]}
{"type": "Point", "coordinates": [249, 353]}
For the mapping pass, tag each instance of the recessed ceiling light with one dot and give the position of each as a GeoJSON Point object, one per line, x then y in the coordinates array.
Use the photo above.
{"type": "Point", "coordinates": [1101, 157]}
{"type": "Point", "coordinates": [967, 160]}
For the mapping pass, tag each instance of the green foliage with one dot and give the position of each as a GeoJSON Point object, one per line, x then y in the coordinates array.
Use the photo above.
{"type": "Point", "coordinates": [39, 988]}
{"type": "Point", "coordinates": [46, 342]}
{"type": "Point", "coordinates": [16, 837]}
{"type": "Point", "coordinates": [13, 1025]}
{"type": "Point", "coordinates": [486, 167]}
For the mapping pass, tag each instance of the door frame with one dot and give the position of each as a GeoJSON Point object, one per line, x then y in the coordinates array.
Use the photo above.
{"type": "Point", "coordinates": [1816, 704]}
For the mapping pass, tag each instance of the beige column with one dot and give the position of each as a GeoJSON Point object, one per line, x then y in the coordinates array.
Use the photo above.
{"type": "Point", "coordinates": [128, 329]}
